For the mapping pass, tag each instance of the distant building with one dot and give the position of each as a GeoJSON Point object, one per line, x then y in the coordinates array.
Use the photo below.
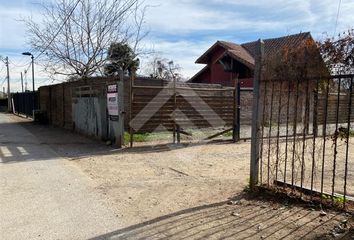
{"type": "Point", "coordinates": [2, 94]}
{"type": "Point", "coordinates": [241, 57]}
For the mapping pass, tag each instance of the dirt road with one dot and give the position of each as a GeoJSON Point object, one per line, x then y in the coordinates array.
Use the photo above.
{"type": "Point", "coordinates": [44, 196]}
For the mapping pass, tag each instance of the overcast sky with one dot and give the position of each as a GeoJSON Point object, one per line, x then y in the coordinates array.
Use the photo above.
{"type": "Point", "coordinates": [182, 30]}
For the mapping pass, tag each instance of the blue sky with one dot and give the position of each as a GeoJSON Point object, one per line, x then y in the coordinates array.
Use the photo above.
{"type": "Point", "coordinates": [182, 30]}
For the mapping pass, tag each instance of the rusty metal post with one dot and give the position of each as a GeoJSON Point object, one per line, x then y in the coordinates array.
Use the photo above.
{"type": "Point", "coordinates": [315, 111]}
{"type": "Point", "coordinates": [347, 141]}
{"type": "Point", "coordinates": [236, 109]}
{"type": "Point", "coordinates": [255, 118]}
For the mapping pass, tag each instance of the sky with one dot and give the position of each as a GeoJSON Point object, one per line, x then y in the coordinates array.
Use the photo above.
{"type": "Point", "coordinates": [182, 30]}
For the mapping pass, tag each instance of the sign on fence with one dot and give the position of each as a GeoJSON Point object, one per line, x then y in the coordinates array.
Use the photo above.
{"type": "Point", "coordinates": [112, 102]}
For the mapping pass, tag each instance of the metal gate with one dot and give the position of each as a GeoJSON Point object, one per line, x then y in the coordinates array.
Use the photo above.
{"type": "Point", "coordinates": [24, 103]}
{"type": "Point", "coordinates": [302, 136]}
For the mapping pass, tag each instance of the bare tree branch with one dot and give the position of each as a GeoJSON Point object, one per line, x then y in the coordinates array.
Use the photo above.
{"type": "Point", "coordinates": [86, 32]}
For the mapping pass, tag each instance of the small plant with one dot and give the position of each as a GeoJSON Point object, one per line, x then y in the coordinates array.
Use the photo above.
{"type": "Point", "coordinates": [228, 134]}
{"type": "Point", "coordinates": [339, 199]}
{"type": "Point", "coordinates": [336, 199]}
{"type": "Point", "coordinates": [325, 196]}
{"type": "Point", "coordinates": [138, 137]}
{"type": "Point", "coordinates": [269, 124]}
{"type": "Point", "coordinates": [247, 188]}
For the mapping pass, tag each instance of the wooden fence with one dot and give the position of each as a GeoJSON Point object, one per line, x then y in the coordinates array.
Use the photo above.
{"type": "Point", "coordinates": [334, 103]}
{"type": "Point", "coordinates": [179, 107]}
{"type": "Point", "coordinates": [190, 105]}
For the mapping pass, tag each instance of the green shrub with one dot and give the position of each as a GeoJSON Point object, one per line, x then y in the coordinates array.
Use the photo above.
{"type": "Point", "coordinates": [137, 137]}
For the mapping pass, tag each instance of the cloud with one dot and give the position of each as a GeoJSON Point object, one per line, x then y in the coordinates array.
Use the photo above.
{"type": "Point", "coordinates": [182, 30]}
{"type": "Point", "coordinates": [183, 53]}
{"type": "Point", "coordinates": [252, 16]}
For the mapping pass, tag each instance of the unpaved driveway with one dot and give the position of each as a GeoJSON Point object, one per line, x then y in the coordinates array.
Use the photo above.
{"type": "Point", "coordinates": [78, 189]}
{"type": "Point", "coordinates": [146, 182]}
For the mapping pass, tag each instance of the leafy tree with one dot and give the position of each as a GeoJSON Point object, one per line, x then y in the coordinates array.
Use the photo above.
{"type": "Point", "coordinates": [120, 56]}
{"type": "Point", "coordinates": [303, 61]}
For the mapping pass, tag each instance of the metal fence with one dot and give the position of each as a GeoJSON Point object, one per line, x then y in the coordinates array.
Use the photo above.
{"type": "Point", "coordinates": [25, 103]}
{"type": "Point", "coordinates": [303, 137]}
{"type": "Point", "coordinates": [3, 104]}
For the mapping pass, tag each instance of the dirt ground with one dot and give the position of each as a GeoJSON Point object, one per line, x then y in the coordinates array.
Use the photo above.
{"type": "Point", "coordinates": [149, 182]}
{"type": "Point", "coordinates": [164, 191]}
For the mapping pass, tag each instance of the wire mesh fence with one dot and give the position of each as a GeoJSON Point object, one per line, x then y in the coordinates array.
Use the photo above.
{"type": "Point", "coordinates": [306, 130]}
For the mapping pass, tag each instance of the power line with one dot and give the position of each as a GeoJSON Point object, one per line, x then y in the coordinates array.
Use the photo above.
{"type": "Point", "coordinates": [2, 68]}
{"type": "Point", "coordinates": [29, 65]}
{"type": "Point", "coordinates": [338, 11]}
{"type": "Point", "coordinates": [61, 27]}
{"type": "Point", "coordinates": [3, 81]}
{"type": "Point", "coordinates": [19, 66]}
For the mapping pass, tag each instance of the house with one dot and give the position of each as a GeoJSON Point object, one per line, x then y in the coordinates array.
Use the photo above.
{"type": "Point", "coordinates": [240, 59]}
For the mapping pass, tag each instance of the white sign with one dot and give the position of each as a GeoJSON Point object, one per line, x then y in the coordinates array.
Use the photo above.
{"type": "Point", "coordinates": [112, 100]}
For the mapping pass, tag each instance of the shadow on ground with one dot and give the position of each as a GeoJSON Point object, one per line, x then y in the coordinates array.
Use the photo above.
{"type": "Point", "coordinates": [18, 145]}
{"type": "Point", "coordinates": [67, 143]}
{"type": "Point", "coordinates": [242, 218]}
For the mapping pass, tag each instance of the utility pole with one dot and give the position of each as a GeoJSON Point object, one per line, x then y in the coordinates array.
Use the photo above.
{"type": "Point", "coordinates": [22, 81]}
{"type": "Point", "coordinates": [32, 73]}
{"type": "Point", "coordinates": [8, 84]}
{"type": "Point", "coordinates": [33, 95]}
{"type": "Point", "coordinates": [25, 80]}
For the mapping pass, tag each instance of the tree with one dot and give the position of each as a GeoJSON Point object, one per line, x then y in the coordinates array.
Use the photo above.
{"type": "Point", "coordinates": [162, 68]}
{"type": "Point", "coordinates": [338, 52]}
{"type": "Point", "coordinates": [120, 57]}
{"type": "Point", "coordinates": [74, 35]}
{"type": "Point", "coordinates": [301, 62]}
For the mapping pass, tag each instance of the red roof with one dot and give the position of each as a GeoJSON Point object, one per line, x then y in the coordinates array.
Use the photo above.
{"type": "Point", "coordinates": [244, 53]}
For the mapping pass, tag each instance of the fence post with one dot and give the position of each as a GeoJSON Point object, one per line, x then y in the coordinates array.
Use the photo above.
{"type": "Point", "coordinates": [131, 95]}
{"type": "Point", "coordinates": [50, 106]}
{"type": "Point", "coordinates": [178, 134]}
{"type": "Point", "coordinates": [236, 121]}
{"type": "Point", "coordinates": [174, 109]}
{"type": "Point", "coordinates": [315, 113]}
{"type": "Point", "coordinates": [120, 132]}
{"type": "Point", "coordinates": [63, 89]}
{"type": "Point", "coordinates": [255, 118]}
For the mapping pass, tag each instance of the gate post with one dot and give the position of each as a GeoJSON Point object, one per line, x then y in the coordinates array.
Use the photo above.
{"type": "Point", "coordinates": [131, 97]}
{"type": "Point", "coordinates": [255, 118]}
{"type": "Point", "coordinates": [120, 132]}
{"type": "Point", "coordinates": [236, 117]}
{"type": "Point", "coordinates": [115, 105]}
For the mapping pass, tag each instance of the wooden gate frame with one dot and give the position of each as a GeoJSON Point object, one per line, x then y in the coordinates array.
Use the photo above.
{"type": "Point", "coordinates": [176, 128]}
